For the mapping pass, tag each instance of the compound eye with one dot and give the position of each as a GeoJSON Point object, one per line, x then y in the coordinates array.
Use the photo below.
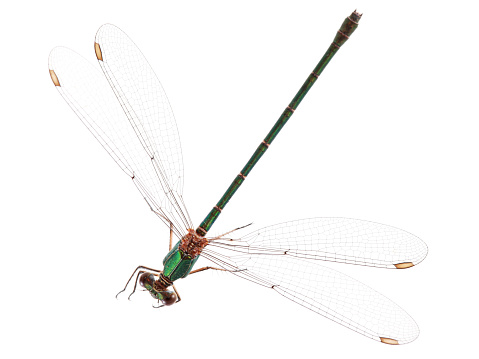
{"type": "Point", "coordinates": [146, 280]}
{"type": "Point", "coordinates": [169, 297]}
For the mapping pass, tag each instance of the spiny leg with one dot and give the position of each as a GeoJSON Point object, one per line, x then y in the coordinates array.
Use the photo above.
{"type": "Point", "coordinates": [206, 268]}
{"type": "Point", "coordinates": [221, 269]}
{"type": "Point", "coordinates": [177, 294]}
{"type": "Point", "coordinates": [139, 267]}
{"type": "Point", "coordinates": [136, 282]}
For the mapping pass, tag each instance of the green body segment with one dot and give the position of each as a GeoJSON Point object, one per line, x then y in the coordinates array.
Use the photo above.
{"type": "Point", "coordinates": [347, 28]}
{"type": "Point", "coordinates": [176, 266]}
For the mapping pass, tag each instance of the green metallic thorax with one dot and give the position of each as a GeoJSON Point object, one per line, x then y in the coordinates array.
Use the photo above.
{"type": "Point", "coordinates": [176, 264]}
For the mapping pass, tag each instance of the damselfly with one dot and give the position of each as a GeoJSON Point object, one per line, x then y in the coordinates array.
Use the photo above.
{"type": "Point", "coordinates": [283, 257]}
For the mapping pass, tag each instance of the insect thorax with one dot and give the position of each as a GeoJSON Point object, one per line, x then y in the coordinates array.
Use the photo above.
{"type": "Point", "coordinates": [192, 244]}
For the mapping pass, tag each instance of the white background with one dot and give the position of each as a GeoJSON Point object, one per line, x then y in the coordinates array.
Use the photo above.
{"type": "Point", "coordinates": [388, 134]}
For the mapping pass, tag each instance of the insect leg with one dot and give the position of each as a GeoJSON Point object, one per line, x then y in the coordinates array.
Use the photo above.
{"type": "Point", "coordinates": [177, 294]}
{"type": "Point", "coordinates": [136, 282]}
{"type": "Point", "coordinates": [205, 268]}
{"type": "Point", "coordinates": [137, 268]}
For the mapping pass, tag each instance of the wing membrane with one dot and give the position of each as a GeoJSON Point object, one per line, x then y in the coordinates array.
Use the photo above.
{"type": "Point", "coordinates": [146, 143]}
{"type": "Point", "coordinates": [325, 291]}
{"type": "Point", "coordinates": [342, 240]}
{"type": "Point", "coordinates": [284, 257]}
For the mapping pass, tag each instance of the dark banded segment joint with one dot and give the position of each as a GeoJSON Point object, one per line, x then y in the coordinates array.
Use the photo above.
{"type": "Point", "coordinates": [348, 26]}
{"type": "Point", "coordinates": [217, 208]}
{"type": "Point", "coordinates": [342, 33]}
{"type": "Point", "coordinates": [355, 17]}
{"type": "Point", "coordinates": [201, 231]}
{"type": "Point", "coordinates": [354, 22]}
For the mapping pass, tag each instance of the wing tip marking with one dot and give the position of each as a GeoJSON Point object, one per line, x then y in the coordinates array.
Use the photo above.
{"type": "Point", "coordinates": [389, 341]}
{"type": "Point", "coordinates": [54, 77]}
{"type": "Point", "coordinates": [98, 53]}
{"type": "Point", "coordinates": [404, 265]}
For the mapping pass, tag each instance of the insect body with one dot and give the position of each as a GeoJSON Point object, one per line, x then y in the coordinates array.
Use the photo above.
{"type": "Point", "coordinates": [177, 264]}
{"type": "Point", "coordinates": [283, 257]}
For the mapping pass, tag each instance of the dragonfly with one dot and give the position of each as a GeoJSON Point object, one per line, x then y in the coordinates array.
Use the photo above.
{"type": "Point", "coordinates": [126, 109]}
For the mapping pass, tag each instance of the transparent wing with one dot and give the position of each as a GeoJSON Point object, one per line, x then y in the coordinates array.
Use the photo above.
{"type": "Point", "coordinates": [342, 240]}
{"type": "Point", "coordinates": [327, 292]}
{"type": "Point", "coordinates": [281, 257]}
{"type": "Point", "coordinates": [146, 105]}
{"type": "Point", "coordinates": [144, 143]}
